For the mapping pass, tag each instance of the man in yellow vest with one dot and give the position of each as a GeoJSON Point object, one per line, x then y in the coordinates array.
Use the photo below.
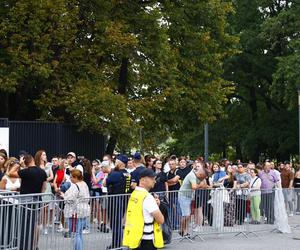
{"type": "Point", "coordinates": [143, 217]}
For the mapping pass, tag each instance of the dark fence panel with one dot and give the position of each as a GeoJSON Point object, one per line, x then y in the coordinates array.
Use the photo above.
{"type": "Point", "coordinates": [54, 138]}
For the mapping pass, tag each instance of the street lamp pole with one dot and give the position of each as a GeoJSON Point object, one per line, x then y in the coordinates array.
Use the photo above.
{"type": "Point", "coordinates": [299, 122]}
{"type": "Point", "coordinates": [206, 142]}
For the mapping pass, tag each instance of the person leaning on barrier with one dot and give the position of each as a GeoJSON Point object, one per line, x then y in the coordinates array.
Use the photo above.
{"type": "Point", "coordinates": [143, 217]}
{"type": "Point", "coordinates": [194, 180]}
{"type": "Point", "coordinates": [241, 184]}
{"type": "Point", "coordinates": [9, 183]}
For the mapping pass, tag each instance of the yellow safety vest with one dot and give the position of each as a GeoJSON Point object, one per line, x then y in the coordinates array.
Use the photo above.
{"type": "Point", "coordinates": [134, 226]}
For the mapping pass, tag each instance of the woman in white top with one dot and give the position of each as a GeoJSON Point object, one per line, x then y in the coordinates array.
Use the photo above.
{"type": "Point", "coordinates": [9, 183]}
{"type": "Point", "coordinates": [255, 198]}
{"type": "Point", "coordinates": [77, 208]}
{"type": "Point", "coordinates": [40, 159]}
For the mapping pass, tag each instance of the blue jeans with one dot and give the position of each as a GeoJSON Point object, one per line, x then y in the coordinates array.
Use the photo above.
{"type": "Point", "coordinates": [75, 227]}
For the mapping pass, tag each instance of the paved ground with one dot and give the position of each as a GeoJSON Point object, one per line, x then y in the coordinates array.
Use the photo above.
{"type": "Point", "coordinates": [262, 237]}
{"type": "Point", "coordinates": [266, 240]}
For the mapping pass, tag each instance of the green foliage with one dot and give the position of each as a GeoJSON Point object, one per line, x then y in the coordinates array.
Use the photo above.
{"type": "Point", "coordinates": [114, 67]}
{"type": "Point", "coordinates": [261, 118]}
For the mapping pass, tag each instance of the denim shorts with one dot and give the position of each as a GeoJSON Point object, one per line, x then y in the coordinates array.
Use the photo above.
{"type": "Point", "coordinates": [185, 205]}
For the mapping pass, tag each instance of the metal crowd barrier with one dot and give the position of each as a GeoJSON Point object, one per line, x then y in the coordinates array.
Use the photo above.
{"type": "Point", "coordinates": [40, 222]}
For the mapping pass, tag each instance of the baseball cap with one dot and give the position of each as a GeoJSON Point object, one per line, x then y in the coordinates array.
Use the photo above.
{"type": "Point", "coordinates": [22, 153]}
{"type": "Point", "coordinates": [122, 158]}
{"type": "Point", "coordinates": [72, 154]}
{"type": "Point", "coordinates": [137, 156]}
{"type": "Point", "coordinates": [147, 173]}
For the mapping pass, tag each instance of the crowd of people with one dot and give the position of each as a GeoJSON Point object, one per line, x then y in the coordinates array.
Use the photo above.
{"type": "Point", "coordinates": [242, 193]}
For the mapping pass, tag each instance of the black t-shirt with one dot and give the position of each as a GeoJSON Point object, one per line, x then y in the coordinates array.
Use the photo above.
{"type": "Point", "coordinates": [135, 175]}
{"type": "Point", "coordinates": [183, 172]}
{"type": "Point", "coordinates": [228, 183]}
{"type": "Point", "coordinates": [87, 177]}
{"type": "Point", "coordinates": [171, 175]}
{"type": "Point", "coordinates": [117, 182]}
{"type": "Point", "coordinates": [160, 185]}
{"type": "Point", "coordinates": [54, 170]}
{"type": "Point", "coordinates": [32, 180]}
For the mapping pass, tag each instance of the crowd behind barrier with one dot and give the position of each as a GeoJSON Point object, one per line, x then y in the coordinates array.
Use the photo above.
{"type": "Point", "coordinates": [74, 203]}
{"type": "Point", "coordinates": [22, 218]}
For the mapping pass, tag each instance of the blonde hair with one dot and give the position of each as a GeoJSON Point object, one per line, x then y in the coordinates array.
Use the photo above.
{"type": "Point", "coordinates": [10, 163]}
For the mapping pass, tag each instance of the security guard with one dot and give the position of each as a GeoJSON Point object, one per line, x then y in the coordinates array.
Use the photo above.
{"type": "Point", "coordinates": [143, 218]}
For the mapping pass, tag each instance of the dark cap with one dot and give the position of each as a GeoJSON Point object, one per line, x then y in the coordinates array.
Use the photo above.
{"type": "Point", "coordinates": [137, 156]}
{"type": "Point", "coordinates": [23, 152]}
{"type": "Point", "coordinates": [287, 162]}
{"type": "Point", "coordinates": [147, 173]}
{"type": "Point", "coordinates": [122, 158]}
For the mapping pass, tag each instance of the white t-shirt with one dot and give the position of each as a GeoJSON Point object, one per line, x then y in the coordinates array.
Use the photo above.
{"type": "Point", "coordinates": [149, 206]}
{"type": "Point", "coordinates": [167, 167]}
{"type": "Point", "coordinates": [129, 170]}
{"type": "Point", "coordinates": [255, 186]}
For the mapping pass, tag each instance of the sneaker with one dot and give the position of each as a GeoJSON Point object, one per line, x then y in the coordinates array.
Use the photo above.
{"type": "Point", "coordinates": [45, 231]}
{"type": "Point", "coordinates": [95, 220]}
{"type": "Point", "coordinates": [291, 215]}
{"type": "Point", "coordinates": [85, 231]}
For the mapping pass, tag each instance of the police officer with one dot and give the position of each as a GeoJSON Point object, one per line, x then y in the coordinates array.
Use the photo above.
{"type": "Point", "coordinates": [117, 182]}
{"type": "Point", "coordinates": [143, 218]}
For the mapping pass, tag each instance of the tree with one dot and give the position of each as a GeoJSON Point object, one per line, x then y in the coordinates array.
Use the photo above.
{"type": "Point", "coordinates": [38, 47]}
{"type": "Point", "coordinates": [265, 125]}
{"type": "Point", "coordinates": [115, 67]}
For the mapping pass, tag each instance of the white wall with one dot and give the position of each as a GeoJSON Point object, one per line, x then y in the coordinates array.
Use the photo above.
{"type": "Point", "coordinates": [4, 139]}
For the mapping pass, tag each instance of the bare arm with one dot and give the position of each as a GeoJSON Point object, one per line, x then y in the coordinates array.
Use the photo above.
{"type": "Point", "coordinates": [158, 217]}
{"type": "Point", "coordinates": [245, 185]}
{"type": "Point", "coordinates": [3, 183]}
{"type": "Point", "coordinates": [291, 181]}
{"type": "Point", "coordinates": [55, 184]}
{"type": "Point", "coordinates": [174, 180]}
{"type": "Point", "coordinates": [44, 187]}
{"type": "Point", "coordinates": [50, 178]}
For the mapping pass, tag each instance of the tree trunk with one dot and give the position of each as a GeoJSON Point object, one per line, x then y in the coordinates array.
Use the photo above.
{"type": "Point", "coordinates": [253, 106]}
{"type": "Point", "coordinates": [238, 151]}
{"type": "Point", "coordinates": [122, 84]}
{"type": "Point", "coordinates": [224, 153]}
{"type": "Point", "coordinates": [110, 147]}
